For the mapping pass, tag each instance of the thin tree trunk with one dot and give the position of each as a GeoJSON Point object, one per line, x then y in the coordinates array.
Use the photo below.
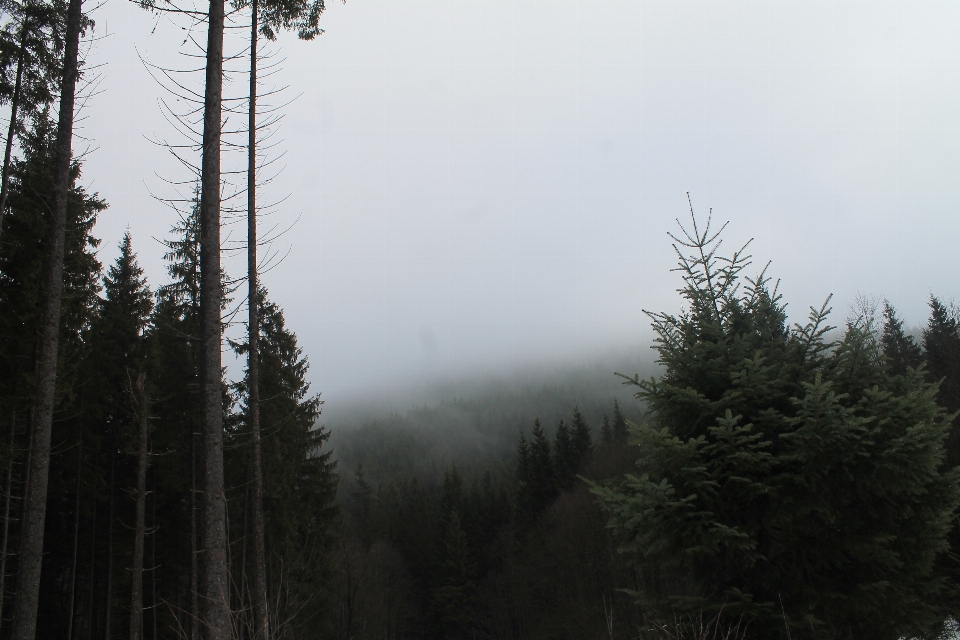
{"type": "Point", "coordinates": [261, 616]}
{"type": "Point", "coordinates": [108, 605]}
{"type": "Point", "coordinates": [12, 128]}
{"type": "Point", "coordinates": [216, 588]}
{"type": "Point", "coordinates": [35, 503]}
{"type": "Point", "coordinates": [194, 590]}
{"type": "Point", "coordinates": [153, 554]}
{"type": "Point", "coordinates": [76, 546]}
{"type": "Point", "coordinates": [93, 550]}
{"type": "Point", "coordinates": [6, 512]}
{"type": "Point", "coordinates": [136, 580]}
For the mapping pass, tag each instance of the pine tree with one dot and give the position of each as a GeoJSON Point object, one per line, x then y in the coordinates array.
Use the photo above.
{"type": "Point", "coordinates": [772, 481]}
{"type": "Point", "coordinates": [899, 350]}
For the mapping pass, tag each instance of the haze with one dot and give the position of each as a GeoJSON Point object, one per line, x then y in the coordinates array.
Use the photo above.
{"type": "Point", "coordinates": [478, 186]}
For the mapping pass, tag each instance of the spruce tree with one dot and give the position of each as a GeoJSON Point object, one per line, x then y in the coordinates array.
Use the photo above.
{"type": "Point", "coordinates": [300, 479]}
{"type": "Point", "coordinates": [772, 479]}
{"type": "Point", "coordinates": [619, 424]}
{"type": "Point", "coordinates": [899, 350]}
{"type": "Point", "coordinates": [606, 432]}
{"type": "Point", "coordinates": [941, 346]}
{"type": "Point", "coordinates": [35, 500]}
{"type": "Point", "coordinates": [564, 457]}
{"type": "Point", "coordinates": [580, 437]}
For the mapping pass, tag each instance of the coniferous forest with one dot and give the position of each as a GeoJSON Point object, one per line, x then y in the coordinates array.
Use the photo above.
{"type": "Point", "coordinates": [766, 478]}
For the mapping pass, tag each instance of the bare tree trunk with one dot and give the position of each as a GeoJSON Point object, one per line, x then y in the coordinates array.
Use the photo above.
{"type": "Point", "coordinates": [108, 605]}
{"type": "Point", "coordinates": [12, 128]}
{"type": "Point", "coordinates": [136, 580]}
{"type": "Point", "coordinates": [93, 551]}
{"type": "Point", "coordinates": [216, 588]}
{"type": "Point", "coordinates": [6, 512]}
{"type": "Point", "coordinates": [76, 547]}
{"type": "Point", "coordinates": [194, 590]}
{"type": "Point", "coordinates": [261, 616]}
{"type": "Point", "coordinates": [153, 554]}
{"type": "Point", "coordinates": [35, 502]}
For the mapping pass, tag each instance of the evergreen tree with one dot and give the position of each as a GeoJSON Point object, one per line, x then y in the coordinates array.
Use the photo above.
{"type": "Point", "coordinates": [536, 469]}
{"type": "Point", "coordinates": [300, 479]}
{"type": "Point", "coordinates": [606, 432]}
{"type": "Point", "coordinates": [899, 350]}
{"type": "Point", "coordinates": [35, 500]}
{"type": "Point", "coordinates": [24, 246]}
{"type": "Point", "coordinates": [772, 483]}
{"type": "Point", "coordinates": [454, 595]}
{"type": "Point", "coordinates": [580, 437]}
{"type": "Point", "coordinates": [619, 424]}
{"type": "Point", "coordinates": [941, 346]}
{"type": "Point", "coordinates": [564, 457]}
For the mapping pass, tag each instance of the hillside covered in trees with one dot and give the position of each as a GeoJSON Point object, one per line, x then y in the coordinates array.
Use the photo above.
{"type": "Point", "coordinates": [764, 478]}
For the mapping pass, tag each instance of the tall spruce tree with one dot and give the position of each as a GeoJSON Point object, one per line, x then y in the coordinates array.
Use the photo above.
{"type": "Point", "coordinates": [300, 479]}
{"type": "Point", "coordinates": [35, 500]}
{"type": "Point", "coordinates": [580, 437]}
{"type": "Point", "coordinates": [772, 481]}
{"type": "Point", "coordinates": [175, 348]}
{"type": "Point", "coordinates": [31, 46]}
{"type": "Point", "coordinates": [900, 352]}
{"type": "Point", "coordinates": [304, 16]}
{"type": "Point", "coordinates": [941, 346]}
{"type": "Point", "coordinates": [21, 270]}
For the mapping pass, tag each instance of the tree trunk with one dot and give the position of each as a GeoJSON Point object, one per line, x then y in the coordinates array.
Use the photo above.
{"type": "Point", "coordinates": [108, 605]}
{"type": "Point", "coordinates": [6, 512]}
{"type": "Point", "coordinates": [261, 615]}
{"type": "Point", "coordinates": [12, 128]}
{"type": "Point", "coordinates": [153, 554]}
{"type": "Point", "coordinates": [215, 596]}
{"type": "Point", "coordinates": [93, 551]}
{"type": "Point", "coordinates": [194, 589]}
{"type": "Point", "coordinates": [35, 502]}
{"type": "Point", "coordinates": [76, 547]}
{"type": "Point", "coordinates": [136, 579]}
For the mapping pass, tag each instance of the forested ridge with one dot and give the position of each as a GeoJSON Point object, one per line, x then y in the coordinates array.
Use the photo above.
{"type": "Point", "coordinates": [768, 477]}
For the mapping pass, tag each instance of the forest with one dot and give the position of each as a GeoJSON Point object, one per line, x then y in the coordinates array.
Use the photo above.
{"type": "Point", "coordinates": [763, 478]}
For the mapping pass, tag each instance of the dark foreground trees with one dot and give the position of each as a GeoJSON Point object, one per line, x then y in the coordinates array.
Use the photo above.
{"type": "Point", "coordinates": [785, 477]}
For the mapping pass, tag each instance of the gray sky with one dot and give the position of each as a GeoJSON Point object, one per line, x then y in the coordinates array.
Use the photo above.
{"type": "Point", "coordinates": [480, 185]}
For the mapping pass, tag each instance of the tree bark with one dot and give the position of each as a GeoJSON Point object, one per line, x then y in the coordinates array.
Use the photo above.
{"type": "Point", "coordinates": [215, 589]}
{"type": "Point", "coordinates": [12, 127]}
{"type": "Point", "coordinates": [76, 546]}
{"type": "Point", "coordinates": [6, 512]}
{"type": "Point", "coordinates": [194, 589]}
{"type": "Point", "coordinates": [35, 503]}
{"type": "Point", "coordinates": [136, 579]}
{"type": "Point", "coordinates": [261, 614]}
{"type": "Point", "coordinates": [108, 605]}
{"type": "Point", "coordinates": [93, 552]}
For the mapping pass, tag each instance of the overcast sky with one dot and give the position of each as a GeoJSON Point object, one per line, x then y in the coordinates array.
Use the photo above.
{"type": "Point", "coordinates": [477, 185]}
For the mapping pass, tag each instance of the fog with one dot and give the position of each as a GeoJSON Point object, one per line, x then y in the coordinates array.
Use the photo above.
{"type": "Point", "coordinates": [479, 188]}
